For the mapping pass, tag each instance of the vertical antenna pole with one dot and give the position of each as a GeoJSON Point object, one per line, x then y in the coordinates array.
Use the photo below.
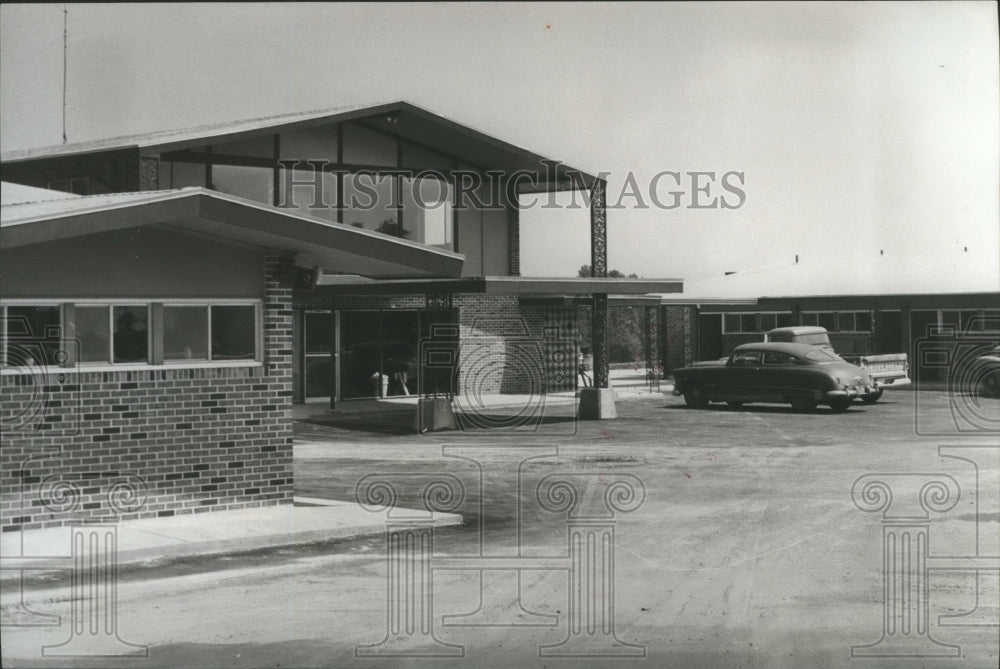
{"type": "Point", "coordinates": [65, 40]}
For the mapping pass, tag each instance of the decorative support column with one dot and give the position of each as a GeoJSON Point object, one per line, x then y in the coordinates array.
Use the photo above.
{"type": "Point", "coordinates": [149, 173]}
{"type": "Point", "coordinates": [905, 501]}
{"type": "Point", "coordinates": [598, 403]}
{"type": "Point", "coordinates": [592, 500]}
{"type": "Point", "coordinates": [409, 548]}
{"type": "Point", "coordinates": [598, 230]}
{"type": "Point", "coordinates": [599, 335]}
{"type": "Point", "coordinates": [651, 330]}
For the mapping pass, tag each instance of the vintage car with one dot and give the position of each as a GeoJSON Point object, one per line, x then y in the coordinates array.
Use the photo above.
{"type": "Point", "coordinates": [985, 373]}
{"type": "Point", "coordinates": [799, 374]}
{"type": "Point", "coordinates": [886, 368]}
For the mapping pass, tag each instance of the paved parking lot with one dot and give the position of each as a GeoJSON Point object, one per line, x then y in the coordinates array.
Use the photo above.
{"type": "Point", "coordinates": [747, 550]}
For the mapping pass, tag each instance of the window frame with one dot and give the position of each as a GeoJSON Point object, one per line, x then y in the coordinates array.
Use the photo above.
{"type": "Point", "coordinates": [155, 332]}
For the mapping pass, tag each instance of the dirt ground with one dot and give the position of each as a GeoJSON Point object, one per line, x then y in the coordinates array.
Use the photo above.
{"type": "Point", "coordinates": [747, 550]}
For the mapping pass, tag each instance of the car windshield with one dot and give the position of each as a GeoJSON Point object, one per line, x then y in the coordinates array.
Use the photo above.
{"type": "Point", "coordinates": [821, 355]}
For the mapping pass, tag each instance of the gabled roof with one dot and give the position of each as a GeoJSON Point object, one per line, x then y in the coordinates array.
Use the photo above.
{"type": "Point", "coordinates": [399, 118]}
{"type": "Point", "coordinates": [313, 242]}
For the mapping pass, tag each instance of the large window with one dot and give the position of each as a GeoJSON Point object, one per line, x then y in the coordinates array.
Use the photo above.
{"type": "Point", "coordinates": [233, 332]}
{"type": "Point", "coordinates": [427, 216]}
{"type": "Point", "coordinates": [839, 321]}
{"type": "Point", "coordinates": [89, 334]}
{"type": "Point", "coordinates": [32, 336]}
{"type": "Point", "coordinates": [185, 332]}
{"type": "Point", "coordinates": [344, 173]}
{"type": "Point", "coordinates": [753, 323]}
{"type": "Point", "coordinates": [130, 341]}
{"type": "Point", "coordinates": [250, 182]}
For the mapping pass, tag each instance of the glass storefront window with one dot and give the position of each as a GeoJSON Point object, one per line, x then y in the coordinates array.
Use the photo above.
{"type": "Point", "coordinates": [319, 332]}
{"type": "Point", "coordinates": [93, 332]}
{"type": "Point", "coordinates": [427, 208]}
{"type": "Point", "coordinates": [310, 144]}
{"type": "Point", "coordinates": [368, 201]}
{"type": "Point", "coordinates": [312, 193]}
{"type": "Point", "coordinates": [828, 320]}
{"type": "Point", "coordinates": [131, 337]}
{"type": "Point", "coordinates": [365, 147]}
{"type": "Point", "coordinates": [255, 147]}
{"type": "Point", "coordinates": [185, 333]}
{"type": "Point", "coordinates": [172, 174]}
{"type": "Point", "coordinates": [32, 336]}
{"type": "Point", "coordinates": [422, 159]}
{"type": "Point", "coordinates": [233, 330]}
{"type": "Point", "coordinates": [252, 183]}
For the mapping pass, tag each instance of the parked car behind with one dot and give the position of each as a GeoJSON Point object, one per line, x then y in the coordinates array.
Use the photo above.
{"type": "Point", "coordinates": [985, 374]}
{"type": "Point", "coordinates": [886, 368]}
{"type": "Point", "coordinates": [802, 375]}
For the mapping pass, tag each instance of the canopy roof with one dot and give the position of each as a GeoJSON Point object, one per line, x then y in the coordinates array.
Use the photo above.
{"type": "Point", "coordinates": [502, 285]}
{"type": "Point", "coordinates": [400, 119]}
{"type": "Point", "coordinates": [312, 242]}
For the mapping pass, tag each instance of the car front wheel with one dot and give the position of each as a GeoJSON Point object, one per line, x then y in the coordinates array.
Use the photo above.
{"type": "Point", "coordinates": [872, 398]}
{"type": "Point", "coordinates": [990, 385]}
{"type": "Point", "coordinates": [804, 403]}
{"type": "Point", "coordinates": [840, 405]}
{"type": "Point", "coordinates": [695, 397]}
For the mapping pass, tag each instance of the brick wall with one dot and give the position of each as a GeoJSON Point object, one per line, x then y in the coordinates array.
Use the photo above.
{"type": "Point", "coordinates": [151, 442]}
{"type": "Point", "coordinates": [509, 348]}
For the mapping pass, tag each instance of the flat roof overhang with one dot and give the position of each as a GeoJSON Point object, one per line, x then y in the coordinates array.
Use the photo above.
{"type": "Point", "coordinates": [585, 300]}
{"type": "Point", "coordinates": [504, 285]}
{"type": "Point", "coordinates": [310, 241]}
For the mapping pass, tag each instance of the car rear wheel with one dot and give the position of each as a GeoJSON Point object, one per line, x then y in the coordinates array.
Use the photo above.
{"type": "Point", "coordinates": [872, 398]}
{"type": "Point", "coordinates": [840, 405]}
{"type": "Point", "coordinates": [695, 397]}
{"type": "Point", "coordinates": [804, 403]}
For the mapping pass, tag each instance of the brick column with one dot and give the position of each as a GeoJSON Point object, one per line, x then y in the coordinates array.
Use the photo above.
{"type": "Point", "coordinates": [278, 284]}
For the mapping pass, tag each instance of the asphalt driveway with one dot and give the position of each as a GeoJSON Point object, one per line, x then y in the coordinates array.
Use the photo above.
{"type": "Point", "coordinates": [747, 550]}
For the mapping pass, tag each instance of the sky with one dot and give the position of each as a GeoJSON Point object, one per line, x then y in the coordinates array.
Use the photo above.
{"type": "Point", "coordinates": [865, 138]}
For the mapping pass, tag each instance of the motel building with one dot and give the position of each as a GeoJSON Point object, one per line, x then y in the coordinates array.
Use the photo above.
{"type": "Point", "coordinates": [167, 297]}
{"type": "Point", "coordinates": [930, 307]}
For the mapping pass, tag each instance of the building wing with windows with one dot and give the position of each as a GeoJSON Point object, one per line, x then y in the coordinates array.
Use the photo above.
{"type": "Point", "coordinates": [166, 297]}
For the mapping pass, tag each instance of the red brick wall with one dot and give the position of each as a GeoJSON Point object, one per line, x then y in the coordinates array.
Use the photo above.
{"type": "Point", "coordinates": [151, 442]}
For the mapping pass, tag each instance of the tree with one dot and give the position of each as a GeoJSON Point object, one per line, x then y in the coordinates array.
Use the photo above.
{"type": "Point", "coordinates": [584, 271]}
{"type": "Point", "coordinates": [625, 325]}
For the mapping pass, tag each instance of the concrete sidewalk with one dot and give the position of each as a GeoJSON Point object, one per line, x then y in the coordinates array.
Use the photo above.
{"type": "Point", "coordinates": [308, 520]}
{"type": "Point", "coordinates": [625, 382]}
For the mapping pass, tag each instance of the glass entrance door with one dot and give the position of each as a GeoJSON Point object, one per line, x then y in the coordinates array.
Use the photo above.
{"type": "Point", "coordinates": [318, 345]}
{"type": "Point", "coordinates": [378, 353]}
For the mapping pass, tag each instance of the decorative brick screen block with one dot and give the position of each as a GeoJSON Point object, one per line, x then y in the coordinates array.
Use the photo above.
{"type": "Point", "coordinates": [186, 440]}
